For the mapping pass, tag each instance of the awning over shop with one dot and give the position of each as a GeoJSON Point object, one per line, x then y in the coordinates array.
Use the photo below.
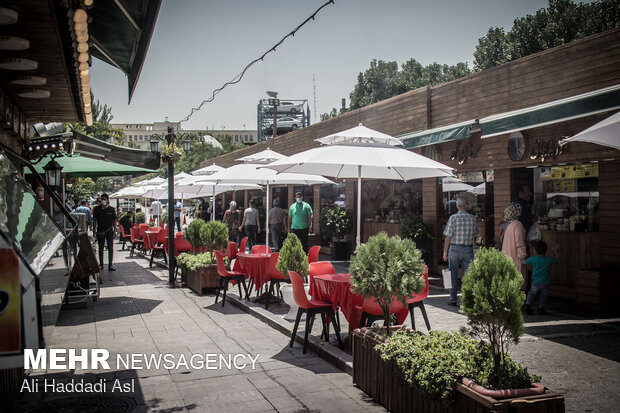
{"type": "Point", "coordinates": [120, 33]}
{"type": "Point", "coordinates": [98, 149]}
{"type": "Point", "coordinates": [442, 134]}
{"type": "Point", "coordinates": [77, 166]}
{"type": "Point", "coordinates": [573, 107]}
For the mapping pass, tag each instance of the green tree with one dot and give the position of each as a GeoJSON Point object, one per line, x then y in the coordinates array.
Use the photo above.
{"type": "Point", "coordinates": [82, 188]}
{"type": "Point", "coordinates": [563, 21]}
{"type": "Point", "coordinates": [492, 301]}
{"type": "Point", "coordinates": [386, 268]}
{"type": "Point", "coordinates": [292, 257]}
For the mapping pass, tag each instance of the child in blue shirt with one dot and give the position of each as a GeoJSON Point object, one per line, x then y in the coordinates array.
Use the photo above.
{"type": "Point", "coordinates": [541, 277]}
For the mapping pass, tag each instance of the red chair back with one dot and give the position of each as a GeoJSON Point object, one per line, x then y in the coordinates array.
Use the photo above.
{"type": "Point", "coordinates": [299, 293]}
{"type": "Point", "coordinates": [421, 296]}
{"type": "Point", "coordinates": [134, 233]}
{"type": "Point", "coordinates": [371, 306]}
{"type": "Point", "coordinates": [143, 228]}
{"type": "Point", "coordinates": [320, 268]}
{"type": "Point", "coordinates": [221, 267]}
{"type": "Point", "coordinates": [232, 250]}
{"type": "Point", "coordinates": [161, 237]}
{"type": "Point", "coordinates": [242, 245]}
{"type": "Point", "coordinates": [122, 230]}
{"type": "Point", "coordinates": [272, 269]}
{"type": "Point", "coordinates": [313, 253]}
{"type": "Point", "coordinates": [259, 249]}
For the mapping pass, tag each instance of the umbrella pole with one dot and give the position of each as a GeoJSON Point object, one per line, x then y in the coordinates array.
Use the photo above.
{"type": "Point", "coordinates": [213, 205]}
{"type": "Point", "coordinates": [267, 222]}
{"type": "Point", "coordinates": [359, 204]}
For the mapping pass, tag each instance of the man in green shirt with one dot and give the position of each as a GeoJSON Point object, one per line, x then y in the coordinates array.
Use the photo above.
{"type": "Point", "coordinates": [300, 219]}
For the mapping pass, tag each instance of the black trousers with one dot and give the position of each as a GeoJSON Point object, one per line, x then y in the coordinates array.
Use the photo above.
{"type": "Point", "coordinates": [250, 232]}
{"type": "Point", "coordinates": [107, 237]}
{"type": "Point", "coordinates": [302, 234]}
{"type": "Point", "coordinates": [177, 220]}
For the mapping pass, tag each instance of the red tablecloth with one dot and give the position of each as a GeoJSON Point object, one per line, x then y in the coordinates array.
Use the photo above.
{"type": "Point", "coordinates": [255, 265]}
{"type": "Point", "coordinates": [336, 289]}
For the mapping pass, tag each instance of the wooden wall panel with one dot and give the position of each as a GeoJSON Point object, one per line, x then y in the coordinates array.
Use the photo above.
{"type": "Point", "coordinates": [609, 213]}
{"type": "Point", "coordinates": [501, 190]}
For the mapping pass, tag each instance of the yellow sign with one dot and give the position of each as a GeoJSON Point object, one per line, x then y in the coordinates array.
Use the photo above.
{"type": "Point", "coordinates": [564, 185]}
{"type": "Point", "coordinates": [587, 170]}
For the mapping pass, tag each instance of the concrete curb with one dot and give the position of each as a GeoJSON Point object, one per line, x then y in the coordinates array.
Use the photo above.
{"type": "Point", "coordinates": [328, 352]}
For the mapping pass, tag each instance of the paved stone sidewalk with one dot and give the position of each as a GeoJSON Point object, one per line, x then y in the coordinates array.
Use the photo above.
{"type": "Point", "coordinates": [138, 313]}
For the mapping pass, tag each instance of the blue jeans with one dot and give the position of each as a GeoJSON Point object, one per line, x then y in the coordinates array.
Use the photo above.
{"type": "Point", "coordinates": [458, 256]}
{"type": "Point", "coordinates": [538, 289]}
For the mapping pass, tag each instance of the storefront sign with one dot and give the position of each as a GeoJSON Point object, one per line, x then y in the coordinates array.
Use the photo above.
{"type": "Point", "coordinates": [10, 298]}
{"type": "Point", "coordinates": [588, 170]}
{"type": "Point", "coordinates": [564, 185]}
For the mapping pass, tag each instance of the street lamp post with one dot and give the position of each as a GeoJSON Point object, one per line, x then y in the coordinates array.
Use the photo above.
{"type": "Point", "coordinates": [170, 138]}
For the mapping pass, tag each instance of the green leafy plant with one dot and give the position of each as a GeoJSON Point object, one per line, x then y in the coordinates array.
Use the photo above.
{"type": "Point", "coordinates": [171, 152]}
{"type": "Point", "coordinates": [164, 218]}
{"type": "Point", "coordinates": [437, 361]}
{"type": "Point", "coordinates": [413, 227]}
{"type": "Point", "coordinates": [151, 224]}
{"type": "Point", "coordinates": [336, 221]}
{"type": "Point", "coordinates": [492, 301]}
{"type": "Point", "coordinates": [292, 257]}
{"type": "Point", "coordinates": [215, 235]}
{"type": "Point", "coordinates": [195, 234]}
{"type": "Point", "coordinates": [386, 268]}
{"type": "Point", "coordinates": [140, 218]}
{"type": "Point", "coordinates": [196, 261]}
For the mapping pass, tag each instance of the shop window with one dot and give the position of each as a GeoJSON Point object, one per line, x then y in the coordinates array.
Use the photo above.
{"type": "Point", "coordinates": [386, 202]}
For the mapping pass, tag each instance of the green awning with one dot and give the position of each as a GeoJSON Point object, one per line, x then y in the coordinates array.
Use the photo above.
{"type": "Point", "coordinates": [578, 106]}
{"type": "Point", "coordinates": [77, 166]}
{"type": "Point", "coordinates": [438, 135]}
{"type": "Point", "coordinates": [120, 33]}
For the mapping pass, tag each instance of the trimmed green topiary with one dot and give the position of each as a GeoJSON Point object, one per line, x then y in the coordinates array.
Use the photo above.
{"type": "Point", "coordinates": [164, 218]}
{"type": "Point", "coordinates": [336, 221]}
{"type": "Point", "coordinates": [387, 267]}
{"type": "Point", "coordinates": [492, 301]}
{"type": "Point", "coordinates": [194, 234]}
{"type": "Point", "coordinates": [140, 218]}
{"type": "Point", "coordinates": [196, 261]}
{"type": "Point", "coordinates": [215, 235]}
{"type": "Point", "coordinates": [292, 257]}
{"type": "Point", "coordinates": [437, 361]}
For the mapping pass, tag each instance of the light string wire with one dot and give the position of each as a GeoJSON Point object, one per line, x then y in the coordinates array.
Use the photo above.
{"type": "Point", "coordinates": [238, 78]}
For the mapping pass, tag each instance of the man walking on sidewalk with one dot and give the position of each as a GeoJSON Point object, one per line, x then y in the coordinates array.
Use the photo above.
{"type": "Point", "coordinates": [461, 232]}
{"type": "Point", "coordinates": [104, 227]}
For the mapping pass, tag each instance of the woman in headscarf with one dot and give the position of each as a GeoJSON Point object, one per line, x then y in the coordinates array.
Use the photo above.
{"type": "Point", "coordinates": [513, 239]}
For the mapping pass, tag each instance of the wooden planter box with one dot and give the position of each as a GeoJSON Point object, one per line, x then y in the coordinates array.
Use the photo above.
{"type": "Point", "coordinates": [206, 277]}
{"type": "Point", "coordinates": [384, 383]}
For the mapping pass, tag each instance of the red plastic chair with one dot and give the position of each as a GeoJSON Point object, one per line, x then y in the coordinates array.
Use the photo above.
{"type": "Point", "coordinates": [416, 300]}
{"type": "Point", "coordinates": [157, 244]}
{"type": "Point", "coordinates": [181, 244]}
{"type": "Point", "coordinates": [311, 308]}
{"type": "Point", "coordinates": [320, 268]}
{"type": "Point", "coordinates": [227, 276]}
{"type": "Point", "coordinates": [242, 245]}
{"type": "Point", "coordinates": [232, 250]}
{"type": "Point", "coordinates": [275, 276]}
{"type": "Point", "coordinates": [371, 311]}
{"type": "Point", "coordinates": [124, 237]}
{"type": "Point", "coordinates": [313, 253]}
{"type": "Point", "coordinates": [136, 239]}
{"type": "Point", "coordinates": [260, 249]}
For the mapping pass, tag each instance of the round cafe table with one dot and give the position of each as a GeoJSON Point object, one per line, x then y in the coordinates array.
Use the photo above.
{"type": "Point", "coordinates": [336, 289]}
{"type": "Point", "coordinates": [254, 265]}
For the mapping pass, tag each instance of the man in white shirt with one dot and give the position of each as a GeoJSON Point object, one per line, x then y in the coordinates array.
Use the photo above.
{"type": "Point", "coordinates": [156, 210]}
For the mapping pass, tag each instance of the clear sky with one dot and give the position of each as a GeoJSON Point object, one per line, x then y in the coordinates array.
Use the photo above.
{"type": "Point", "coordinates": [197, 45]}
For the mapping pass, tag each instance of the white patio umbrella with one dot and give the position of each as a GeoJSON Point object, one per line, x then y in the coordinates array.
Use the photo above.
{"type": "Point", "coordinates": [606, 132]}
{"type": "Point", "coordinates": [265, 156]}
{"type": "Point", "coordinates": [154, 181]}
{"type": "Point", "coordinates": [249, 172]}
{"type": "Point", "coordinates": [360, 134]}
{"type": "Point", "coordinates": [208, 170]}
{"type": "Point", "coordinates": [181, 175]}
{"type": "Point", "coordinates": [452, 184]}
{"type": "Point", "coordinates": [359, 160]}
{"type": "Point", "coordinates": [129, 192]}
{"type": "Point", "coordinates": [479, 189]}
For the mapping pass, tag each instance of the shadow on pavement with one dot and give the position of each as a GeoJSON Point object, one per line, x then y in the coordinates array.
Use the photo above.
{"type": "Point", "coordinates": [107, 308]}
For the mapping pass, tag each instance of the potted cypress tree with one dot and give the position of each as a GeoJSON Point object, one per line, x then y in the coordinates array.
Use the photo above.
{"type": "Point", "coordinates": [336, 222]}
{"type": "Point", "coordinates": [201, 267]}
{"type": "Point", "coordinates": [292, 258]}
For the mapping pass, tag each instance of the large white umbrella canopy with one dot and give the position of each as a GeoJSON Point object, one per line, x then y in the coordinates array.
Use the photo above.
{"type": "Point", "coordinates": [250, 172]}
{"type": "Point", "coordinates": [606, 132]}
{"type": "Point", "coordinates": [357, 160]}
{"type": "Point", "coordinates": [360, 134]}
{"type": "Point", "coordinates": [479, 189]}
{"type": "Point", "coordinates": [208, 170]}
{"type": "Point", "coordinates": [265, 156]}
{"type": "Point", "coordinates": [130, 192]}
{"type": "Point", "coordinates": [181, 175]}
{"type": "Point", "coordinates": [155, 181]}
{"type": "Point", "coordinates": [451, 184]}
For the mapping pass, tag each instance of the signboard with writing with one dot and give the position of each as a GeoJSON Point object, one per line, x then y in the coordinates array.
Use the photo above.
{"type": "Point", "coordinates": [564, 185]}
{"type": "Point", "coordinates": [587, 170]}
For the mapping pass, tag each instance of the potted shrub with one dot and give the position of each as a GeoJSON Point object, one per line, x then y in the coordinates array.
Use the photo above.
{"type": "Point", "coordinates": [292, 258]}
{"type": "Point", "coordinates": [336, 222]}
{"type": "Point", "coordinates": [139, 218]}
{"type": "Point", "coordinates": [445, 371]}
{"type": "Point", "coordinates": [201, 271]}
{"type": "Point", "coordinates": [387, 267]}
{"type": "Point", "coordinates": [413, 227]}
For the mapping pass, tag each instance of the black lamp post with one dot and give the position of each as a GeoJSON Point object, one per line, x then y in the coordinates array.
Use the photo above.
{"type": "Point", "coordinates": [53, 172]}
{"type": "Point", "coordinates": [154, 143]}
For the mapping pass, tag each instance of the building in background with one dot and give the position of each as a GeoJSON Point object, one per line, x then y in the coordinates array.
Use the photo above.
{"type": "Point", "coordinates": [141, 133]}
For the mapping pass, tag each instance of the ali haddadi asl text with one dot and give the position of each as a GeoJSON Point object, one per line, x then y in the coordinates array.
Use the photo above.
{"type": "Point", "coordinates": [77, 386]}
